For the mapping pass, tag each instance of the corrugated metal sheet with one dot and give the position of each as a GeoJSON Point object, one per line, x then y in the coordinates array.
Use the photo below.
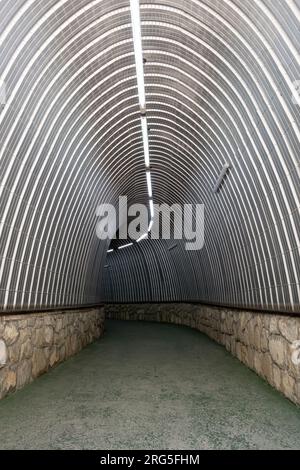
{"type": "Point", "coordinates": [219, 82]}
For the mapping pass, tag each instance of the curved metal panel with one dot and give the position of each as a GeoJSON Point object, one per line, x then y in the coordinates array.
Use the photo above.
{"type": "Point", "coordinates": [220, 80]}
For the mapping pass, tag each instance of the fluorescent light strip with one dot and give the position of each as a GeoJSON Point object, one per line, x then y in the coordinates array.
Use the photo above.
{"type": "Point", "coordinates": [138, 51]}
{"type": "Point", "coordinates": [149, 184]}
{"type": "Point", "coordinates": [110, 251]}
{"type": "Point", "coordinates": [145, 140]}
{"type": "Point", "coordinates": [143, 237]}
{"type": "Point", "coordinates": [2, 92]}
{"type": "Point", "coordinates": [151, 208]}
{"type": "Point", "coordinates": [125, 246]}
{"type": "Point", "coordinates": [150, 225]}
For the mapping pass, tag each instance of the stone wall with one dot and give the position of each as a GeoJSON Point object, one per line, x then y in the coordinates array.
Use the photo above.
{"type": "Point", "coordinates": [30, 344]}
{"type": "Point", "coordinates": [267, 343]}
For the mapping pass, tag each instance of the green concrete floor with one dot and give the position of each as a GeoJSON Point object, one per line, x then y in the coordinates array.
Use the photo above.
{"type": "Point", "coordinates": [149, 386]}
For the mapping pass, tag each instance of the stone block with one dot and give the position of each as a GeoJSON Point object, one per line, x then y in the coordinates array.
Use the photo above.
{"type": "Point", "coordinates": [54, 357]}
{"type": "Point", "coordinates": [31, 321]}
{"type": "Point", "coordinates": [48, 335]}
{"type": "Point", "coordinates": [3, 353]}
{"type": "Point", "coordinates": [8, 381]}
{"type": "Point", "coordinates": [274, 328]}
{"type": "Point", "coordinates": [249, 357]}
{"type": "Point", "coordinates": [62, 353]}
{"type": "Point", "coordinates": [11, 380]}
{"type": "Point", "coordinates": [264, 340]}
{"type": "Point", "coordinates": [267, 367]}
{"type": "Point", "coordinates": [249, 334]}
{"type": "Point", "coordinates": [257, 336]}
{"type": "Point", "coordinates": [239, 351]}
{"type": "Point", "coordinates": [58, 324]}
{"type": "Point", "coordinates": [25, 333]}
{"type": "Point", "coordinates": [297, 392]}
{"type": "Point", "coordinates": [258, 366]}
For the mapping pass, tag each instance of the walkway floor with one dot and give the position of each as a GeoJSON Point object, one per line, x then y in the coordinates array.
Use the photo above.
{"type": "Point", "coordinates": [149, 386]}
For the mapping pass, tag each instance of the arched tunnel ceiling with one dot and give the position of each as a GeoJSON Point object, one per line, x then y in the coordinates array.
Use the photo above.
{"type": "Point", "coordinates": [219, 82]}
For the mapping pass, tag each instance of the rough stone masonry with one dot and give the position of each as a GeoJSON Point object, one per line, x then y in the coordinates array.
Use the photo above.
{"type": "Point", "coordinates": [266, 343]}
{"type": "Point", "coordinates": [32, 344]}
